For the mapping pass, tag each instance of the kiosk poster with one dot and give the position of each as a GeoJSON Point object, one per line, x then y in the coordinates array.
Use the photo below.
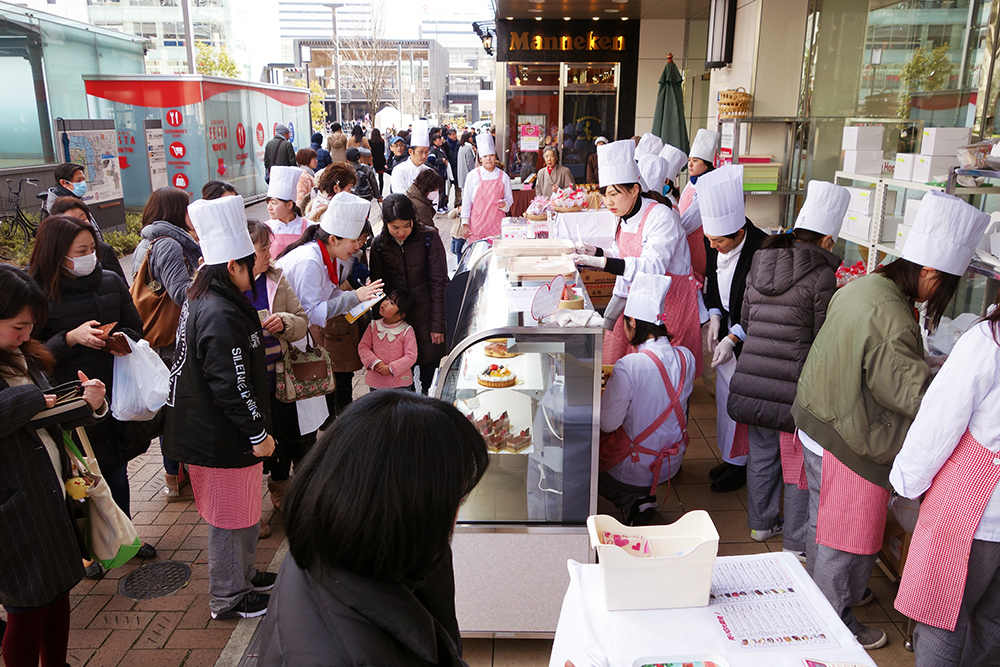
{"type": "Point", "coordinates": [156, 154]}
{"type": "Point", "coordinates": [530, 137]}
{"type": "Point", "coordinates": [97, 151]}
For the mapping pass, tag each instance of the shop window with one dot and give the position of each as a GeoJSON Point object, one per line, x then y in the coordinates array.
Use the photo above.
{"type": "Point", "coordinates": [173, 33]}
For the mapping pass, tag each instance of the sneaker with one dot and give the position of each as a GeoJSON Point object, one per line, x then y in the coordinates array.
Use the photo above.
{"type": "Point", "coordinates": [263, 581]}
{"type": "Point", "coordinates": [719, 470]}
{"type": "Point", "coordinates": [94, 571]}
{"type": "Point", "coordinates": [733, 479]}
{"type": "Point", "coordinates": [867, 598]}
{"type": "Point", "coordinates": [642, 512]}
{"type": "Point", "coordinates": [801, 555]}
{"type": "Point", "coordinates": [251, 605]}
{"type": "Point", "coordinates": [146, 551]}
{"type": "Point", "coordinates": [764, 535]}
{"type": "Point", "coordinates": [871, 638]}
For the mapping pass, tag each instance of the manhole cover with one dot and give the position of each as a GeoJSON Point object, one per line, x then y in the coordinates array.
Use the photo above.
{"type": "Point", "coordinates": [155, 580]}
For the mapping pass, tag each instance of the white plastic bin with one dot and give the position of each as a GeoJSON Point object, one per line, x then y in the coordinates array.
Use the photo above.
{"type": "Point", "coordinates": [677, 574]}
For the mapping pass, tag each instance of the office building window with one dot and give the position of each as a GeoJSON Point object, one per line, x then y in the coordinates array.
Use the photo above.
{"type": "Point", "coordinates": [173, 33]}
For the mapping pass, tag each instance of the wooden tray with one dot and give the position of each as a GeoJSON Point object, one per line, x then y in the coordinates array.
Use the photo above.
{"type": "Point", "coordinates": [563, 209]}
{"type": "Point", "coordinates": [532, 247]}
{"type": "Point", "coordinates": [540, 268]}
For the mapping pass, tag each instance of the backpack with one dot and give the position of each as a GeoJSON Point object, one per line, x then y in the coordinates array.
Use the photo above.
{"type": "Point", "coordinates": [363, 188]}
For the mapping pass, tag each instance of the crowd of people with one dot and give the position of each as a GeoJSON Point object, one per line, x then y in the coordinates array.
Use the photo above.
{"type": "Point", "coordinates": [825, 396]}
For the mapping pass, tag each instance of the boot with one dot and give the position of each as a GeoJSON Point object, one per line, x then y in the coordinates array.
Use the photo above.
{"type": "Point", "coordinates": [170, 489]}
{"type": "Point", "coordinates": [265, 530]}
{"type": "Point", "coordinates": [277, 490]}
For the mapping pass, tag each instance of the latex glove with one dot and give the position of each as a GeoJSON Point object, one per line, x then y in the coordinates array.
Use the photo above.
{"type": "Point", "coordinates": [586, 249]}
{"type": "Point", "coordinates": [937, 361]}
{"type": "Point", "coordinates": [723, 352]}
{"type": "Point", "coordinates": [616, 306]}
{"type": "Point", "coordinates": [714, 325]}
{"type": "Point", "coordinates": [588, 261]}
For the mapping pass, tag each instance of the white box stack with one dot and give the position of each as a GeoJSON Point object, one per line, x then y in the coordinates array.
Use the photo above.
{"type": "Point", "coordinates": [944, 140]}
{"type": "Point", "coordinates": [863, 162]}
{"type": "Point", "coordinates": [862, 146]}
{"type": "Point", "coordinates": [904, 166]}
{"type": "Point", "coordinates": [932, 167]}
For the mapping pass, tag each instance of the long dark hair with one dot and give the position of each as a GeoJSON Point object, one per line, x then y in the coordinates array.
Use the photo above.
{"type": "Point", "coordinates": [169, 205]}
{"type": "Point", "coordinates": [788, 239]}
{"type": "Point", "coordinates": [357, 133]}
{"type": "Point", "coordinates": [63, 204]}
{"type": "Point", "coordinates": [906, 275]}
{"type": "Point", "coordinates": [17, 292]}
{"type": "Point", "coordinates": [53, 240]}
{"type": "Point", "coordinates": [209, 272]}
{"type": "Point", "coordinates": [376, 135]}
{"type": "Point", "coordinates": [657, 197]}
{"type": "Point", "coordinates": [994, 319]}
{"type": "Point", "coordinates": [644, 329]}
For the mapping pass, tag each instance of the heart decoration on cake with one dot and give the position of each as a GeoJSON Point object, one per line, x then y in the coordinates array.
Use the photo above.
{"type": "Point", "coordinates": [546, 300]}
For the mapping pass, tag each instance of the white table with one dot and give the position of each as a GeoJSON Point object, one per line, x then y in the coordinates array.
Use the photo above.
{"type": "Point", "coordinates": [591, 636]}
{"type": "Point", "coordinates": [593, 227]}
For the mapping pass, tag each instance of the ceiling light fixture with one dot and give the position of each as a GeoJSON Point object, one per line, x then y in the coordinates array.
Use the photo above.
{"type": "Point", "coordinates": [611, 11]}
{"type": "Point", "coordinates": [597, 18]}
{"type": "Point", "coordinates": [510, 18]}
{"type": "Point", "coordinates": [538, 18]}
{"type": "Point", "coordinates": [535, 11]}
{"type": "Point", "coordinates": [624, 18]}
{"type": "Point", "coordinates": [565, 18]}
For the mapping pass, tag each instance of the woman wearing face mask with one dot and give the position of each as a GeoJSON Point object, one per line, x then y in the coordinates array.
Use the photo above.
{"type": "Point", "coordinates": [486, 195]}
{"type": "Point", "coordinates": [286, 219]}
{"type": "Point", "coordinates": [75, 208]}
{"type": "Point", "coordinates": [409, 255]}
{"type": "Point", "coordinates": [83, 297]}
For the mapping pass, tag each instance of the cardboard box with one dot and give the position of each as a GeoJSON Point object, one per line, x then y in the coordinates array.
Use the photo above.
{"type": "Point", "coordinates": [930, 167]}
{"type": "Point", "coordinates": [910, 207]}
{"type": "Point", "coordinates": [890, 225]}
{"type": "Point", "coordinates": [863, 162]}
{"type": "Point", "coordinates": [857, 225]}
{"type": "Point", "coordinates": [944, 140]}
{"type": "Point", "coordinates": [862, 137]}
{"type": "Point", "coordinates": [904, 166]}
{"type": "Point", "coordinates": [895, 545]}
{"type": "Point", "coordinates": [514, 228]}
{"type": "Point", "coordinates": [863, 201]}
{"type": "Point", "coordinates": [901, 232]}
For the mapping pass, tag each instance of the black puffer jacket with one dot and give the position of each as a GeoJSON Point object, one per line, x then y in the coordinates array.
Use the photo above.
{"type": "Point", "coordinates": [420, 267]}
{"type": "Point", "coordinates": [787, 293]}
{"type": "Point", "coordinates": [218, 405]}
{"type": "Point", "coordinates": [101, 296]}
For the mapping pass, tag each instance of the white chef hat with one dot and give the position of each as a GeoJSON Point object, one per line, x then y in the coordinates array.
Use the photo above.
{"type": "Point", "coordinates": [649, 144]}
{"type": "Point", "coordinates": [345, 216]}
{"type": "Point", "coordinates": [653, 172]}
{"type": "Point", "coordinates": [616, 163]}
{"type": "Point", "coordinates": [222, 229]}
{"type": "Point", "coordinates": [720, 195]}
{"type": "Point", "coordinates": [946, 231]}
{"type": "Point", "coordinates": [676, 159]}
{"type": "Point", "coordinates": [647, 296]}
{"type": "Point", "coordinates": [600, 140]}
{"type": "Point", "coordinates": [485, 144]}
{"type": "Point", "coordinates": [283, 182]}
{"type": "Point", "coordinates": [419, 135]}
{"type": "Point", "coordinates": [706, 145]}
{"type": "Point", "coordinates": [824, 208]}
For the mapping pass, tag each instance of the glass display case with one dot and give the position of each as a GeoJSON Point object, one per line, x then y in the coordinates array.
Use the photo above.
{"type": "Point", "coordinates": [534, 393]}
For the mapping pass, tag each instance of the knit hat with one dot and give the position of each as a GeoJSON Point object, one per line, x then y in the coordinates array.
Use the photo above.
{"type": "Point", "coordinates": [281, 130]}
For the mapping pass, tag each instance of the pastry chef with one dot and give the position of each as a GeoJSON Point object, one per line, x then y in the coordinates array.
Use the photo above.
{"type": "Point", "coordinates": [951, 584]}
{"type": "Point", "coordinates": [648, 239]}
{"type": "Point", "coordinates": [286, 221]}
{"type": "Point", "coordinates": [733, 240]}
{"type": "Point", "coordinates": [486, 195]}
{"type": "Point", "coordinates": [652, 178]}
{"type": "Point", "coordinates": [643, 427]}
{"type": "Point", "coordinates": [871, 351]}
{"type": "Point", "coordinates": [649, 144]}
{"type": "Point", "coordinates": [676, 160]}
{"type": "Point", "coordinates": [404, 173]}
{"type": "Point", "coordinates": [701, 160]}
{"type": "Point", "coordinates": [690, 218]}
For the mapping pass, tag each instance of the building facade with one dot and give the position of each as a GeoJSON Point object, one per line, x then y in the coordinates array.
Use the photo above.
{"type": "Point", "coordinates": [470, 68]}
{"type": "Point", "coordinates": [313, 19]}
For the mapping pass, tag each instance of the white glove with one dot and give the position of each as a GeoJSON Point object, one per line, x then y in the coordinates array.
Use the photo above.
{"type": "Point", "coordinates": [937, 361]}
{"type": "Point", "coordinates": [589, 261]}
{"type": "Point", "coordinates": [714, 325]}
{"type": "Point", "coordinates": [586, 249]}
{"type": "Point", "coordinates": [723, 352]}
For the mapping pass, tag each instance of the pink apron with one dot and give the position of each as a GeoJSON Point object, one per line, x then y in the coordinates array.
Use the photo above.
{"type": "Point", "coordinates": [228, 497]}
{"type": "Point", "coordinates": [793, 467]}
{"type": "Point", "coordinates": [852, 510]}
{"type": "Point", "coordinates": [615, 446]}
{"type": "Point", "coordinates": [680, 305]}
{"type": "Point", "coordinates": [486, 217]}
{"type": "Point", "coordinates": [936, 568]}
{"type": "Point", "coordinates": [699, 257]}
{"type": "Point", "coordinates": [282, 241]}
{"type": "Point", "coordinates": [687, 196]}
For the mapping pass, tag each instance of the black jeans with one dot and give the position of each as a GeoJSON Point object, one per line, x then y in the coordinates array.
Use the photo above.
{"type": "Point", "coordinates": [342, 395]}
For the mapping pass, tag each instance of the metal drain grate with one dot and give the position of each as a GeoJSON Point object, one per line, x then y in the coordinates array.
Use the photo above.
{"type": "Point", "coordinates": [155, 580]}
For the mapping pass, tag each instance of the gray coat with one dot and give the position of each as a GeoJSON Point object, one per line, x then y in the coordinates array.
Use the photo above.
{"type": "Point", "coordinates": [466, 162]}
{"type": "Point", "coordinates": [784, 306]}
{"type": "Point", "coordinates": [173, 261]}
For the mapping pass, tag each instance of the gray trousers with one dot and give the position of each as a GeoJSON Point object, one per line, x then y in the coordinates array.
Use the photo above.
{"type": "Point", "coordinates": [976, 639]}
{"type": "Point", "coordinates": [814, 474]}
{"type": "Point", "coordinates": [843, 578]}
{"type": "Point", "coordinates": [231, 557]}
{"type": "Point", "coordinates": [764, 484]}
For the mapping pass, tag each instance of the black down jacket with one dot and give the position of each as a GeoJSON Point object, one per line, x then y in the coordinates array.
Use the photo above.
{"type": "Point", "coordinates": [784, 306]}
{"type": "Point", "coordinates": [218, 404]}
{"type": "Point", "coordinates": [101, 296]}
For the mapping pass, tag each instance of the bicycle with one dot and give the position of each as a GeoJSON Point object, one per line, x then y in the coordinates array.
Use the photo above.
{"type": "Point", "coordinates": [16, 228]}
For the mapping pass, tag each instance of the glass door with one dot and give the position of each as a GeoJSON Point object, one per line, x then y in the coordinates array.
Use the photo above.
{"type": "Point", "coordinates": [532, 112]}
{"type": "Point", "coordinates": [589, 110]}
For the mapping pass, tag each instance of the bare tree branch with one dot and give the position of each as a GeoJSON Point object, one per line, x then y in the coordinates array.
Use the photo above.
{"type": "Point", "coordinates": [367, 62]}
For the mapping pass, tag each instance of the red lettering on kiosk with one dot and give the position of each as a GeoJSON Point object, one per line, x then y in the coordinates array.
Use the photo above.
{"type": "Point", "coordinates": [260, 134]}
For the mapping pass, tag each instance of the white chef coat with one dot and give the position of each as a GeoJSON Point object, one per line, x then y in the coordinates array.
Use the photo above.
{"type": "Point", "coordinates": [809, 443]}
{"type": "Point", "coordinates": [307, 275]}
{"type": "Point", "coordinates": [293, 227]}
{"type": "Point", "coordinates": [664, 246]}
{"type": "Point", "coordinates": [403, 175]}
{"type": "Point", "coordinates": [964, 395]}
{"type": "Point", "coordinates": [726, 270]}
{"type": "Point", "coordinates": [472, 181]}
{"type": "Point", "coordinates": [635, 396]}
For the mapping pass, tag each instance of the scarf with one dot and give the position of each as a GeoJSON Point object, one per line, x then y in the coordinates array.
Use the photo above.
{"type": "Point", "coordinates": [331, 266]}
{"type": "Point", "coordinates": [383, 331]}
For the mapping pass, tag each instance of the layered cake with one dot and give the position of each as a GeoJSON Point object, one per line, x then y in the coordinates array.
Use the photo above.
{"type": "Point", "coordinates": [497, 347]}
{"type": "Point", "coordinates": [498, 435]}
{"type": "Point", "coordinates": [497, 376]}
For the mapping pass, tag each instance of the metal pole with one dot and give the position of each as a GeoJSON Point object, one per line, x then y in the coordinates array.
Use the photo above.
{"type": "Point", "coordinates": [188, 37]}
{"type": "Point", "coordinates": [336, 50]}
{"type": "Point", "coordinates": [399, 79]}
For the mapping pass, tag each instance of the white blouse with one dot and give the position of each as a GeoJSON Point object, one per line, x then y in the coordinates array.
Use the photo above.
{"type": "Point", "coordinates": [664, 246]}
{"type": "Point", "coordinates": [306, 273]}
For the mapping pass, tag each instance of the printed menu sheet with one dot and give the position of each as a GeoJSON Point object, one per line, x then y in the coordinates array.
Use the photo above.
{"type": "Point", "coordinates": [756, 606]}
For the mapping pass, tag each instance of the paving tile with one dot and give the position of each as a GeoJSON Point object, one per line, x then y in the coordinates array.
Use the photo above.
{"type": "Point", "coordinates": [702, 411]}
{"type": "Point", "coordinates": [86, 610]}
{"type": "Point", "coordinates": [188, 517]}
{"type": "Point", "coordinates": [122, 571]}
{"type": "Point", "coordinates": [700, 448]}
{"type": "Point", "coordinates": [177, 602]}
{"type": "Point", "coordinates": [159, 630]}
{"type": "Point", "coordinates": [166, 518]}
{"type": "Point", "coordinates": [114, 648]}
{"type": "Point", "coordinates": [119, 603]}
{"type": "Point", "coordinates": [741, 548]}
{"type": "Point", "coordinates": [701, 497]}
{"type": "Point", "coordinates": [209, 638]}
{"type": "Point", "coordinates": [83, 587]}
{"type": "Point", "coordinates": [161, 658]}
{"type": "Point", "coordinates": [105, 587]}
{"type": "Point", "coordinates": [707, 427]}
{"type": "Point", "coordinates": [185, 555]}
{"type": "Point", "coordinates": [198, 614]}
{"type": "Point", "coordinates": [695, 470]}
{"type": "Point", "coordinates": [151, 532]}
{"type": "Point", "coordinates": [143, 518]}
{"type": "Point", "coordinates": [121, 620]}
{"type": "Point", "coordinates": [478, 652]}
{"type": "Point", "coordinates": [174, 537]}
{"type": "Point", "coordinates": [87, 638]}
{"type": "Point", "coordinates": [77, 657]}
{"type": "Point", "coordinates": [203, 657]}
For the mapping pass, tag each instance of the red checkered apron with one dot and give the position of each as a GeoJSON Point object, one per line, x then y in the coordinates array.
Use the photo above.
{"type": "Point", "coordinates": [616, 446]}
{"type": "Point", "coordinates": [687, 196]}
{"type": "Point", "coordinates": [228, 497]}
{"type": "Point", "coordinates": [852, 510]}
{"type": "Point", "coordinates": [699, 257]}
{"type": "Point", "coordinates": [486, 217]}
{"type": "Point", "coordinates": [680, 307]}
{"type": "Point", "coordinates": [936, 567]}
{"type": "Point", "coordinates": [793, 467]}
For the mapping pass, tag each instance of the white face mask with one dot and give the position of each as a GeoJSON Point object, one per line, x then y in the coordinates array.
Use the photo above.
{"type": "Point", "coordinates": [83, 266]}
{"type": "Point", "coordinates": [434, 196]}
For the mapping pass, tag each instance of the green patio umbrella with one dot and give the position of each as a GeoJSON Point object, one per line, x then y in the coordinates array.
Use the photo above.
{"type": "Point", "coordinates": [668, 119]}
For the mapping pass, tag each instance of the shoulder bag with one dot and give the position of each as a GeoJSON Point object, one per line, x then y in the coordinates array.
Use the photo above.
{"type": "Point", "coordinates": [158, 311]}
{"type": "Point", "coordinates": [302, 374]}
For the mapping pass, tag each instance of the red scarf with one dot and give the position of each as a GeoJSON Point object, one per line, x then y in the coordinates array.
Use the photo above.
{"type": "Point", "coordinates": [331, 266]}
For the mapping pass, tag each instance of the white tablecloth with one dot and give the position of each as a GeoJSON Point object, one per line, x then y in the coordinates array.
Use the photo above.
{"type": "Point", "coordinates": [593, 227]}
{"type": "Point", "coordinates": [591, 636]}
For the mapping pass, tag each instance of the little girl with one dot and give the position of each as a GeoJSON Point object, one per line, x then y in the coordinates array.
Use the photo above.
{"type": "Point", "coordinates": [388, 348]}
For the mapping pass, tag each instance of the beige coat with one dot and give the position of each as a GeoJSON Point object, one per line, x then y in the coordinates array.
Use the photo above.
{"type": "Point", "coordinates": [336, 143]}
{"type": "Point", "coordinates": [365, 159]}
{"type": "Point", "coordinates": [546, 184]}
{"type": "Point", "coordinates": [286, 305]}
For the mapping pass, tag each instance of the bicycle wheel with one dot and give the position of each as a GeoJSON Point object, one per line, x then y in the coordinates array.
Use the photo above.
{"type": "Point", "coordinates": [14, 237]}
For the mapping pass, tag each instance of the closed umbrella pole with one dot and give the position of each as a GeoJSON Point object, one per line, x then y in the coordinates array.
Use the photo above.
{"type": "Point", "coordinates": [668, 118]}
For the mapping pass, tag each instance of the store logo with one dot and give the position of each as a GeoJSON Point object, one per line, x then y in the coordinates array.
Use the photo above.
{"type": "Point", "coordinates": [522, 41]}
{"type": "Point", "coordinates": [180, 181]}
{"type": "Point", "coordinates": [260, 134]}
{"type": "Point", "coordinates": [174, 118]}
{"type": "Point", "coordinates": [241, 135]}
{"type": "Point", "coordinates": [177, 150]}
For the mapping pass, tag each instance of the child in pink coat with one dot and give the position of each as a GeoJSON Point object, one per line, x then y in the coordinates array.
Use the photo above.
{"type": "Point", "coordinates": [388, 348]}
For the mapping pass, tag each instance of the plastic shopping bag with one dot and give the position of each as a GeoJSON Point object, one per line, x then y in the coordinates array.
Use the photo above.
{"type": "Point", "coordinates": [141, 384]}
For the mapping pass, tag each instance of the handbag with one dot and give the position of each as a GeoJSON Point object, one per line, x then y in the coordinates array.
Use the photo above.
{"type": "Point", "coordinates": [304, 374]}
{"type": "Point", "coordinates": [158, 311]}
{"type": "Point", "coordinates": [109, 535]}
